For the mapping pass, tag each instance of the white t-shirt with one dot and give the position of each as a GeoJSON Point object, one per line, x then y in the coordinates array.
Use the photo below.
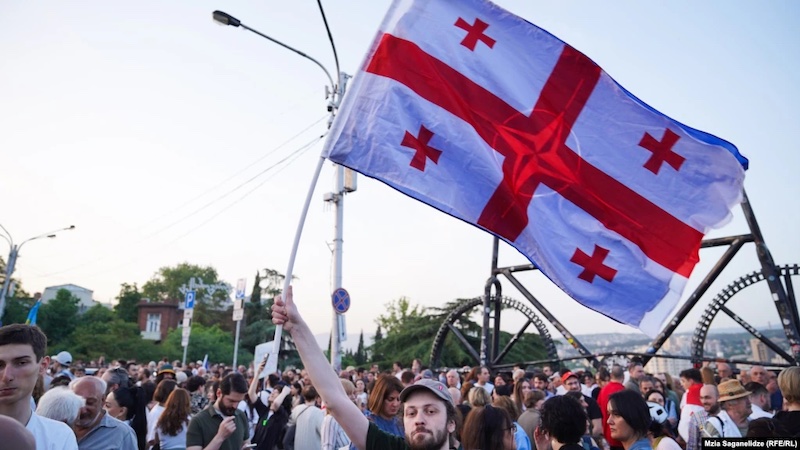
{"type": "Point", "coordinates": [252, 419]}
{"type": "Point", "coordinates": [152, 419]}
{"type": "Point", "coordinates": [51, 434]}
{"type": "Point", "coordinates": [667, 443]}
{"type": "Point", "coordinates": [168, 441]}
{"type": "Point", "coordinates": [488, 386]}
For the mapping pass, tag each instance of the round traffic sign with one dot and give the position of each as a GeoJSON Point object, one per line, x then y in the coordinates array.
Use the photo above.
{"type": "Point", "coordinates": [341, 300]}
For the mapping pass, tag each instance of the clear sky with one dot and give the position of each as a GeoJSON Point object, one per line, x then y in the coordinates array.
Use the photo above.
{"type": "Point", "coordinates": [144, 123]}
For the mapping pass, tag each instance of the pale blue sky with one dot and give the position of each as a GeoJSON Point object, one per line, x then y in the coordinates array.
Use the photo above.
{"type": "Point", "coordinates": [125, 118]}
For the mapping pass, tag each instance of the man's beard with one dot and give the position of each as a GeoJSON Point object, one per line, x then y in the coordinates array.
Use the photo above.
{"type": "Point", "coordinates": [227, 410]}
{"type": "Point", "coordinates": [432, 441]}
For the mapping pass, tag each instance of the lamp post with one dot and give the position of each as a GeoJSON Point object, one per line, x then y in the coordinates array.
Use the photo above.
{"type": "Point", "coordinates": [334, 94]}
{"type": "Point", "coordinates": [12, 259]}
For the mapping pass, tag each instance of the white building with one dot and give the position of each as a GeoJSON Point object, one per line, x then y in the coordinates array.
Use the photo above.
{"type": "Point", "coordinates": [83, 294]}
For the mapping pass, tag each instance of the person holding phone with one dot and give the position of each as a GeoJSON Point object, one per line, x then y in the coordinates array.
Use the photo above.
{"type": "Point", "coordinates": [221, 426]}
{"type": "Point", "coordinates": [273, 409]}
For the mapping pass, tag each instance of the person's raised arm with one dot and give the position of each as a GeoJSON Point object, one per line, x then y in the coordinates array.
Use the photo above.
{"type": "Point", "coordinates": [324, 379]}
{"type": "Point", "coordinates": [251, 392]}
{"type": "Point", "coordinates": [281, 397]}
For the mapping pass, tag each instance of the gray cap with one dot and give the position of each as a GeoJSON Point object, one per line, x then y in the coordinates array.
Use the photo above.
{"type": "Point", "coordinates": [436, 388]}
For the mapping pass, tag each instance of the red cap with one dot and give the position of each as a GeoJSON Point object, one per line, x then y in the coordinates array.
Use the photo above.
{"type": "Point", "coordinates": [567, 375]}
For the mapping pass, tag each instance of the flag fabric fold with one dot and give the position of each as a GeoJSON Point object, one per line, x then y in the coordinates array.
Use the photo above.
{"type": "Point", "coordinates": [486, 117]}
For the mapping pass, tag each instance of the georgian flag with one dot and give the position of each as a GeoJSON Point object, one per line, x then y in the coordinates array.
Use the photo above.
{"type": "Point", "coordinates": [482, 115]}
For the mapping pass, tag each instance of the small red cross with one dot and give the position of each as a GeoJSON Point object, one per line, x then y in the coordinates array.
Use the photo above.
{"type": "Point", "coordinates": [424, 151]}
{"type": "Point", "coordinates": [593, 265]}
{"type": "Point", "coordinates": [474, 33]}
{"type": "Point", "coordinates": [662, 151]}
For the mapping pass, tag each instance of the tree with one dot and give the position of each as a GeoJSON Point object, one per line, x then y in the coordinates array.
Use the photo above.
{"type": "Point", "coordinates": [101, 332]}
{"type": "Point", "coordinates": [213, 341]}
{"type": "Point", "coordinates": [258, 327]}
{"type": "Point", "coordinates": [376, 343]}
{"type": "Point", "coordinates": [255, 294]}
{"type": "Point", "coordinates": [17, 309]}
{"type": "Point", "coordinates": [360, 356]}
{"type": "Point", "coordinates": [410, 332]}
{"type": "Point", "coordinates": [18, 301]}
{"type": "Point", "coordinates": [58, 318]}
{"type": "Point", "coordinates": [127, 307]}
{"type": "Point", "coordinates": [165, 286]}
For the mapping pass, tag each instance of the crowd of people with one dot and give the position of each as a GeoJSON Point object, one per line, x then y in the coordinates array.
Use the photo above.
{"type": "Point", "coordinates": [51, 402]}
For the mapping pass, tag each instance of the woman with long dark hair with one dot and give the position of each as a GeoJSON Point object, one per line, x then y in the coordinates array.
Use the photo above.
{"type": "Point", "coordinates": [130, 406]}
{"type": "Point", "coordinates": [174, 421]}
{"type": "Point", "coordinates": [629, 420]}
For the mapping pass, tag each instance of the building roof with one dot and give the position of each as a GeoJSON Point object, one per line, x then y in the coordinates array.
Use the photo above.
{"type": "Point", "coordinates": [69, 287]}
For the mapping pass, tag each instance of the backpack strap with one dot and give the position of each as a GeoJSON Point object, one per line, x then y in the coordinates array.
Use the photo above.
{"type": "Point", "coordinates": [721, 425]}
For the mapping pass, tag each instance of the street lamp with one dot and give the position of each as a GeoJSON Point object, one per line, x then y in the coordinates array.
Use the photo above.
{"type": "Point", "coordinates": [224, 18]}
{"type": "Point", "coordinates": [12, 259]}
{"type": "Point", "coordinates": [335, 95]}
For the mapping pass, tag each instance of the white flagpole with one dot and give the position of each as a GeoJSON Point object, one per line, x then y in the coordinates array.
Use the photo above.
{"type": "Point", "coordinates": [279, 329]}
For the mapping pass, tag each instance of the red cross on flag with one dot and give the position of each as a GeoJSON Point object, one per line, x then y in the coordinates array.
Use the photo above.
{"type": "Point", "coordinates": [492, 120]}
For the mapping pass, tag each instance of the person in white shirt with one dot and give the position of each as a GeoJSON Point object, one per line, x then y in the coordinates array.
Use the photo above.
{"type": "Point", "coordinates": [483, 380]}
{"type": "Point", "coordinates": [22, 362]}
{"type": "Point", "coordinates": [164, 388]}
{"type": "Point", "coordinates": [734, 400]}
{"type": "Point", "coordinates": [759, 400]}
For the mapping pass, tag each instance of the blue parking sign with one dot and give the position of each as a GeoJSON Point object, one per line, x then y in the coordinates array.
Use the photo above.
{"type": "Point", "coordinates": [189, 304]}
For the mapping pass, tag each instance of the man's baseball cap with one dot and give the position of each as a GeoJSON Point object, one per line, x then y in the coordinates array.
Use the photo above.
{"type": "Point", "coordinates": [436, 388]}
{"type": "Point", "coordinates": [568, 375]}
{"type": "Point", "coordinates": [63, 358]}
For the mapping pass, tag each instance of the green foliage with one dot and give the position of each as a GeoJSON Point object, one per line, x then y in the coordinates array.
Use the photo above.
{"type": "Point", "coordinates": [101, 333]}
{"type": "Point", "coordinates": [213, 340]}
{"type": "Point", "coordinates": [58, 318]}
{"type": "Point", "coordinates": [360, 357]}
{"type": "Point", "coordinates": [255, 294]}
{"type": "Point", "coordinates": [166, 283]}
{"type": "Point", "coordinates": [410, 331]}
{"type": "Point", "coordinates": [376, 344]}
{"type": "Point", "coordinates": [257, 326]}
{"type": "Point", "coordinates": [17, 310]}
{"type": "Point", "coordinates": [17, 299]}
{"type": "Point", "coordinates": [127, 303]}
